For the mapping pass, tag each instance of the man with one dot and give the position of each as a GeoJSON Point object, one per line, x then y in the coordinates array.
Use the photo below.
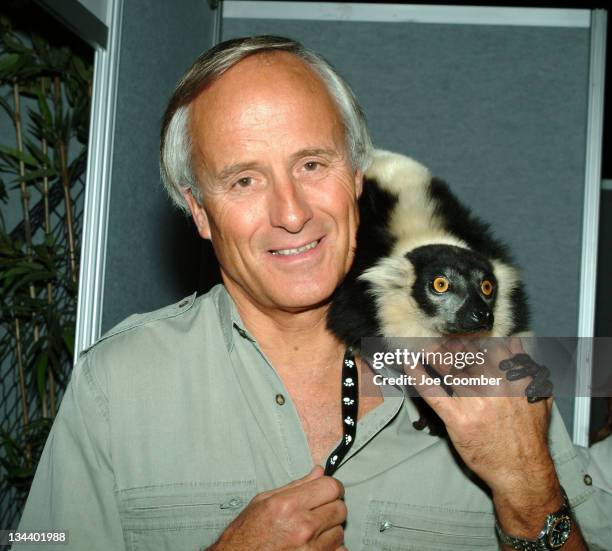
{"type": "Point", "coordinates": [202, 425]}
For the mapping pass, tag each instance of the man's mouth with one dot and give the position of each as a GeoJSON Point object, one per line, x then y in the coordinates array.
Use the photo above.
{"type": "Point", "coordinates": [297, 250]}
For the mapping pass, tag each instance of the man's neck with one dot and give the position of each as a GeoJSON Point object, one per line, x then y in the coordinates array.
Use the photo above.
{"type": "Point", "coordinates": [296, 343]}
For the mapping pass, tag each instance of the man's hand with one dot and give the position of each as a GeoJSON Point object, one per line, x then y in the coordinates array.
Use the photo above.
{"type": "Point", "coordinates": [306, 514]}
{"type": "Point", "coordinates": [503, 439]}
{"type": "Point", "coordinates": [497, 433]}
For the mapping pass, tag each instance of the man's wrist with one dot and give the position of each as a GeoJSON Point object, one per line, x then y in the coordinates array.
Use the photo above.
{"type": "Point", "coordinates": [522, 509]}
{"type": "Point", "coordinates": [523, 501]}
{"type": "Point", "coordinates": [557, 530]}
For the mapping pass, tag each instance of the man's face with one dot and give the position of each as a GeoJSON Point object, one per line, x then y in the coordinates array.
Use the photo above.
{"type": "Point", "coordinates": [279, 193]}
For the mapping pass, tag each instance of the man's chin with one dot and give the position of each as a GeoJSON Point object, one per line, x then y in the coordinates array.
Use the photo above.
{"type": "Point", "coordinates": [283, 294]}
{"type": "Point", "coordinates": [299, 299]}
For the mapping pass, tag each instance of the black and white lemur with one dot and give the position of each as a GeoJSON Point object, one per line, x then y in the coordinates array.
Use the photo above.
{"type": "Point", "coordinates": [424, 266]}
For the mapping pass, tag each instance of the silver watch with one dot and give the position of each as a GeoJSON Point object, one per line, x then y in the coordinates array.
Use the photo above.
{"type": "Point", "coordinates": [556, 531]}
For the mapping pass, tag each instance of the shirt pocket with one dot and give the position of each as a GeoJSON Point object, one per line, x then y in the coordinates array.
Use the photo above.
{"type": "Point", "coordinates": [392, 526]}
{"type": "Point", "coordinates": [181, 517]}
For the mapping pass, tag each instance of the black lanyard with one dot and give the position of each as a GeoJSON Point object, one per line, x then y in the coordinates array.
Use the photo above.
{"type": "Point", "coordinates": [350, 407]}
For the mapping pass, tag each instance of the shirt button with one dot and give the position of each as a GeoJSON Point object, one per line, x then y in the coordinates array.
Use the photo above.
{"type": "Point", "coordinates": [280, 399]}
{"type": "Point", "coordinates": [587, 479]}
{"type": "Point", "coordinates": [183, 303]}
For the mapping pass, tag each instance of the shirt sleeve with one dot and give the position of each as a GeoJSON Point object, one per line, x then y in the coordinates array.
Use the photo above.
{"type": "Point", "coordinates": [590, 504]}
{"type": "Point", "coordinates": [596, 520]}
{"type": "Point", "coordinates": [73, 488]}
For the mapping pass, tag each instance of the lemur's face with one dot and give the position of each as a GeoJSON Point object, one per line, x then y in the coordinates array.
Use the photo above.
{"type": "Point", "coordinates": [455, 288]}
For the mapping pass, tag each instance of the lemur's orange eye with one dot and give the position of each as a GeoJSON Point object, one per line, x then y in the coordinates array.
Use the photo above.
{"type": "Point", "coordinates": [486, 287]}
{"type": "Point", "coordinates": [440, 284]}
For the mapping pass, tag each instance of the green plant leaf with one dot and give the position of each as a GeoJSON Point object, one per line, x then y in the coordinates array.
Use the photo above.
{"type": "Point", "coordinates": [40, 370]}
{"type": "Point", "coordinates": [21, 472]}
{"type": "Point", "coordinates": [43, 109]}
{"type": "Point", "coordinates": [41, 46]}
{"type": "Point", "coordinates": [36, 175]}
{"type": "Point", "coordinates": [42, 158]}
{"type": "Point", "coordinates": [9, 64]}
{"type": "Point", "coordinates": [18, 155]}
{"type": "Point", "coordinates": [9, 275]}
{"type": "Point", "coordinates": [10, 446]}
{"type": "Point", "coordinates": [68, 334]}
{"type": "Point", "coordinates": [13, 43]}
{"type": "Point", "coordinates": [34, 277]}
{"type": "Point", "coordinates": [3, 194]}
{"type": "Point", "coordinates": [40, 129]}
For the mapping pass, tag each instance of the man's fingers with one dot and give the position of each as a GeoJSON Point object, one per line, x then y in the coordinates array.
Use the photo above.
{"type": "Point", "coordinates": [434, 394]}
{"type": "Point", "coordinates": [425, 385]}
{"type": "Point", "coordinates": [321, 491]}
{"type": "Point", "coordinates": [515, 345]}
{"type": "Point", "coordinates": [331, 539]}
{"type": "Point", "coordinates": [316, 472]}
{"type": "Point", "coordinates": [329, 515]}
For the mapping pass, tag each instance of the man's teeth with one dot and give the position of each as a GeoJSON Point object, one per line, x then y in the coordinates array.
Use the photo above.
{"type": "Point", "coordinates": [287, 252]}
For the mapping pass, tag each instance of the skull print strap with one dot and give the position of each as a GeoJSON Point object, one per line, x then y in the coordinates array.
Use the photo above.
{"type": "Point", "coordinates": [350, 407]}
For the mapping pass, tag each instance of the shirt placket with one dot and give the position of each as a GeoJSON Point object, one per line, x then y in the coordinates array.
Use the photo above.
{"type": "Point", "coordinates": [272, 406]}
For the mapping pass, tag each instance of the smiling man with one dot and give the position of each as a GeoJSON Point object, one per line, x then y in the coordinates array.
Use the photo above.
{"type": "Point", "coordinates": [278, 190]}
{"type": "Point", "coordinates": [203, 425]}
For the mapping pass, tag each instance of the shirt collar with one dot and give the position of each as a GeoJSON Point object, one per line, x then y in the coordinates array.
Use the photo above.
{"type": "Point", "coordinates": [229, 318]}
{"type": "Point", "coordinates": [393, 392]}
{"type": "Point", "coordinates": [413, 412]}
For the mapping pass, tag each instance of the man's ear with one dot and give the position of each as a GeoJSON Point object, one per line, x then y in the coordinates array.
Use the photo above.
{"type": "Point", "coordinates": [198, 213]}
{"type": "Point", "coordinates": [358, 183]}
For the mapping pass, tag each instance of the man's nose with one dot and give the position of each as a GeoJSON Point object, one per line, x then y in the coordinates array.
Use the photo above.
{"type": "Point", "coordinates": [289, 206]}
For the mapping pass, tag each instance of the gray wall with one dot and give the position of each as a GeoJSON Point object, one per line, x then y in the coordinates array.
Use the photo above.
{"type": "Point", "coordinates": [497, 111]}
{"type": "Point", "coordinates": [152, 251]}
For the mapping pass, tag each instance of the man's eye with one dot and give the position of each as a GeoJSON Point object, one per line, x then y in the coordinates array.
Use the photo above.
{"type": "Point", "coordinates": [311, 165]}
{"type": "Point", "coordinates": [243, 182]}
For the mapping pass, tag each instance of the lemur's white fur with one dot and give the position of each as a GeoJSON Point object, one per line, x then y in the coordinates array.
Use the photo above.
{"type": "Point", "coordinates": [414, 223]}
{"type": "Point", "coordinates": [408, 180]}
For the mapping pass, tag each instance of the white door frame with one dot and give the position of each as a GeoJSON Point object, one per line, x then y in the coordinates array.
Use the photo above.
{"type": "Point", "coordinates": [98, 184]}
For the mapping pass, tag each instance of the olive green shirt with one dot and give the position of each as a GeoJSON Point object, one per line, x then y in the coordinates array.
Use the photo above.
{"type": "Point", "coordinates": [175, 419]}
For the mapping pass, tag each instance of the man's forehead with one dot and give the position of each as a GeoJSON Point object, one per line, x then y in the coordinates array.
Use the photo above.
{"type": "Point", "coordinates": [266, 73]}
{"type": "Point", "coordinates": [273, 93]}
{"type": "Point", "coordinates": [274, 62]}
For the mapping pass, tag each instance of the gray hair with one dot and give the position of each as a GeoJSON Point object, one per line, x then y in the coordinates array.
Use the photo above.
{"type": "Point", "coordinates": [175, 150]}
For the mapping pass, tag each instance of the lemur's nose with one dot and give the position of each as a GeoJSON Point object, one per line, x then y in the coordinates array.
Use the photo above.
{"type": "Point", "coordinates": [481, 318]}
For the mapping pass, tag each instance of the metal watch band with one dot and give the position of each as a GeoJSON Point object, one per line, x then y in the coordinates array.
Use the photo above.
{"type": "Point", "coordinates": [556, 531]}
